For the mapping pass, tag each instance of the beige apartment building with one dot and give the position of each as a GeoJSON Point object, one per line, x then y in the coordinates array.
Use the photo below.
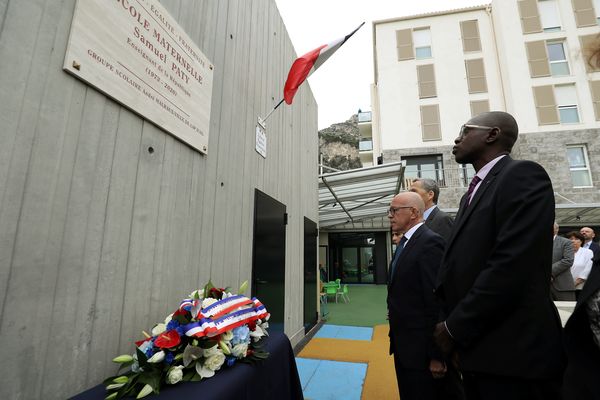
{"type": "Point", "coordinates": [527, 57]}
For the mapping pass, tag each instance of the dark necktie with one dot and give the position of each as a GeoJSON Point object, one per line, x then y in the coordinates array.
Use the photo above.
{"type": "Point", "coordinates": [399, 249]}
{"type": "Point", "coordinates": [472, 186]}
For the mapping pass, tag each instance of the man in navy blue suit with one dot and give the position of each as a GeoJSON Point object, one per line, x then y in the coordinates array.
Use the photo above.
{"type": "Point", "coordinates": [412, 306]}
{"type": "Point", "coordinates": [501, 326]}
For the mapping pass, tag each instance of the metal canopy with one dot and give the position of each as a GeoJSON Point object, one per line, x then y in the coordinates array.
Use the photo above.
{"type": "Point", "coordinates": [355, 195]}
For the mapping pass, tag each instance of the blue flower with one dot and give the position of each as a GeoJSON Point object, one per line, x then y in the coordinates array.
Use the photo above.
{"type": "Point", "coordinates": [169, 358]}
{"type": "Point", "coordinates": [149, 352]}
{"type": "Point", "coordinates": [230, 360]}
{"type": "Point", "coordinates": [241, 334]}
{"type": "Point", "coordinates": [173, 324]}
{"type": "Point", "coordinates": [181, 330]}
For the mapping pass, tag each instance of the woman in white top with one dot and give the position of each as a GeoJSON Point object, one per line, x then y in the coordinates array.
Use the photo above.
{"type": "Point", "coordinates": [582, 265]}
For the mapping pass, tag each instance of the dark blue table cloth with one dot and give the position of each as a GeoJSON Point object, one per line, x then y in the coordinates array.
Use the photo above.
{"type": "Point", "coordinates": [274, 378]}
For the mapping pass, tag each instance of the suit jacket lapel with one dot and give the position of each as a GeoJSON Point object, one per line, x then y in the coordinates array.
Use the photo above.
{"type": "Point", "coordinates": [466, 210]}
{"type": "Point", "coordinates": [407, 248]}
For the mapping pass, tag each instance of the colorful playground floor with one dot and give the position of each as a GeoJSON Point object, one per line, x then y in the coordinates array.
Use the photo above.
{"type": "Point", "coordinates": [345, 362]}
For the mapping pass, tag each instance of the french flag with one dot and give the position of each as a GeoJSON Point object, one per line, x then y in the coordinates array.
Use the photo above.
{"type": "Point", "coordinates": [308, 63]}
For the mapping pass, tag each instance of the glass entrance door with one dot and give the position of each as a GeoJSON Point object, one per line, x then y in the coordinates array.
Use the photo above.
{"type": "Point", "coordinates": [357, 264]}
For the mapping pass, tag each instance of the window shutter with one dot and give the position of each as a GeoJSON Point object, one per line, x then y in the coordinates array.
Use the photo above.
{"type": "Point", "coordinates": [470, 36]}
{"type": "Point", "coordinates": [479, 106]}
{"type": "Point", "coordinates": [538, 58]}
{"type": "Point", "coordinates": [588, 44]}
{"type": "Point", "coordinates": [545, 105]}
{"type": "Point", "coordinates": [426, 77]}
{"type": "Point", "coordinates": [404, 44]}
{"type": "Point", "coordinates": [530, 16]}
{"type": "Point", "coordinates": [476, 75]}
{"type": "Point", "coordinates": [430, 122]}
{"type": "Point", "coordinates": [584, 13]}
{"type": "Point", "coordinates": [595, 89]}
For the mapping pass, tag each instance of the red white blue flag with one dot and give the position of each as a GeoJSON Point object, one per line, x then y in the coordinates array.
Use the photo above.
{"type": "Point", "coordinates": [308, 63]}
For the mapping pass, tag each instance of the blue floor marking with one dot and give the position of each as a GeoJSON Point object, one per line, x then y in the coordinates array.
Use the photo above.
{"type": "Point", "coordinates": [331, 380]}
{"type": "Point", "coordinates": [344, 332]}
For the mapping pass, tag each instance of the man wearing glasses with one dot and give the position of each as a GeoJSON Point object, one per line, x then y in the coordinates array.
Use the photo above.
{"type": "Point", "coordinates": [412, 306]}
{"type": "Point", "coordinates": [501, 326]}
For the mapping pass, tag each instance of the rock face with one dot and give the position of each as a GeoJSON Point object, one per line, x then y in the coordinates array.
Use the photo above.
{"type": "Point", "coordinates": [339, 145]}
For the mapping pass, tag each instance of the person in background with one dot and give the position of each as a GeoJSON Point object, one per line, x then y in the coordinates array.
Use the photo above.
{"type": "Point", "coordinates": [412, 306]}
{"type": "Point", "coordinates": [562, 287]}
{"type": "Point", "coordinates": [435, 219]}
{"type": "Point", "coordinates": [589, 235]}
{"type": "Point", "coordinates": [582, 264]}
{"type": "Point", "coordinates": [582, 331]}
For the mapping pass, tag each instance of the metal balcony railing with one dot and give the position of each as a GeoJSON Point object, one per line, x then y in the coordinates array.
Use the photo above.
{"type": "Point", "coordinates": [457, 177]}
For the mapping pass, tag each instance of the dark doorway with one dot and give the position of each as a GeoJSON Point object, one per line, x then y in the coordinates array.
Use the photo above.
{"type": "Point", "coordinates": [268, 257]}
{"type": "Point", "coordinates": [310, 274]}
{"type": "Point", "coordinates": [358, 257]}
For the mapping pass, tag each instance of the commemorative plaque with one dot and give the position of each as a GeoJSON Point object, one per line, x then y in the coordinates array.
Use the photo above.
{"type": "Point", "coordinates": [136, 53]}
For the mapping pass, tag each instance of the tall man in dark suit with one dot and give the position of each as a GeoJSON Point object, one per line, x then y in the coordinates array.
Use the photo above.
{"type": "Point", "coordinates": [562, 286]}
{"type": "Point", "coordinates": [412, 306]}
{"type": "Point", "coordinates": [501, 325]}
{"type": "Point", "coordinates": [435, 219]}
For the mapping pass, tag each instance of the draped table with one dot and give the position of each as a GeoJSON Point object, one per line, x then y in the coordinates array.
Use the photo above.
{"type": "Point", "coordinates": [274, 378]}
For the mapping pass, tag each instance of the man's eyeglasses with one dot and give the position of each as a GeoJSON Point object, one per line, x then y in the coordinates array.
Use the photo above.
{"type": "Point", "coordinates": [465, 128]}
{"type": "Point", "coordinates": [392, 210]}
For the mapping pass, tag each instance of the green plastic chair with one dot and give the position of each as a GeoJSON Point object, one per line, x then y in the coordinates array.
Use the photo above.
{"type": "Point", "coordinates": [331, 291]}
{"type": "Point", "coordinates": [344, 293]}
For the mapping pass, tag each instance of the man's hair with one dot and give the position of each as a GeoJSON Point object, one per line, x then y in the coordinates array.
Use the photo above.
{"type": "Point", "coordinates": [430, 184]}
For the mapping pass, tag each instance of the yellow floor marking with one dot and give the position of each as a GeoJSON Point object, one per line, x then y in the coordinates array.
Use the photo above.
{"type": "Point", "coordinates": [380, 382]}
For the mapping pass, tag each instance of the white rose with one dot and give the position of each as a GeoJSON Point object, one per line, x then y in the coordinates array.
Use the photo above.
{"type": "Point", "coordinates": [227, 336]}
{"type": "Point", "coordinates": [214, 362]}
{"type": "Point", "coordinates": [211, 351]}
{"type": "Point", "coordinates": [175, 374]}
{"type": "Point", "coordinates": [199, 293]}
{"type": "Point", "coordinates": [157, 357]}
{"type": "Point", "coordinates": [168, 319]}
{"type": "Point", "coordinates": [208, 301]}
{"type": "Point", "coordinates": [240, 350]}
{"type": "Point", "coordinates": [158, 329]}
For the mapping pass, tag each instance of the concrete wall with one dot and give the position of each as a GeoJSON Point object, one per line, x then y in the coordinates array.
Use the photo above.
{"type": "Point", "coordinates": [100, 237]}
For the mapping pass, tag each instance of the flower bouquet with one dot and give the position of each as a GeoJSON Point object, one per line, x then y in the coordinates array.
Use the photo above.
{"type": "Point", "coordinates": [210, 329]}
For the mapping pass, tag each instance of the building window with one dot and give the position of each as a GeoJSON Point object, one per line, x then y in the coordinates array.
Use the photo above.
{"type": "Point", "coordinates": [584, 12]}
{"type": "Point", "coordinates": [365, 145]}
{"type": "Point", "coordinates": [579, 166]}
{"type": "Point", "coordinates": [530, 18]}
{"type": "Point", "coordinates": [470, 36]}
{"type": "Point", "coordinates": [426, 78]}
{"type": "Point", "coordinates": [549, 15]}
{"type": "Point", "coordinates": [466, 172]}
{"type": "Point", "coordinates": [557, 58]}
{"type": "Point", "coordinates": [479, 107]}
{"type": "Point", "coordinates": [422, 42]}
{"type": "Point", "coordinates": [476, 75]}
{"type": "Point", "coordinates": [545, 105]}
{"type": "Point", "coordinates": [566, 100]}
{"type": "Point", "coordinates": [430, 122]}
{"type": "Point", "coordinates": [428, 166]}
{"type": "Point", "coordinates": [404, 45]}
{"type": "Point", "coordinates": [537, 57]}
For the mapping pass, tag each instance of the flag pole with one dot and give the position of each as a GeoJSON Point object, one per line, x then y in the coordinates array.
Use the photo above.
{"type": "Point", "coordinates": [271, 112]}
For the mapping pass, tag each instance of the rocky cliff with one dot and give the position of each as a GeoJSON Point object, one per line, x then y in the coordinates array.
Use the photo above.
{"type": "Point", "coordinates": [339, 145]}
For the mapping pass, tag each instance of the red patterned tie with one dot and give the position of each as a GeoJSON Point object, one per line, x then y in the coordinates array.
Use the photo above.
{"type": "Point", "coordinates": [472, 186]}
